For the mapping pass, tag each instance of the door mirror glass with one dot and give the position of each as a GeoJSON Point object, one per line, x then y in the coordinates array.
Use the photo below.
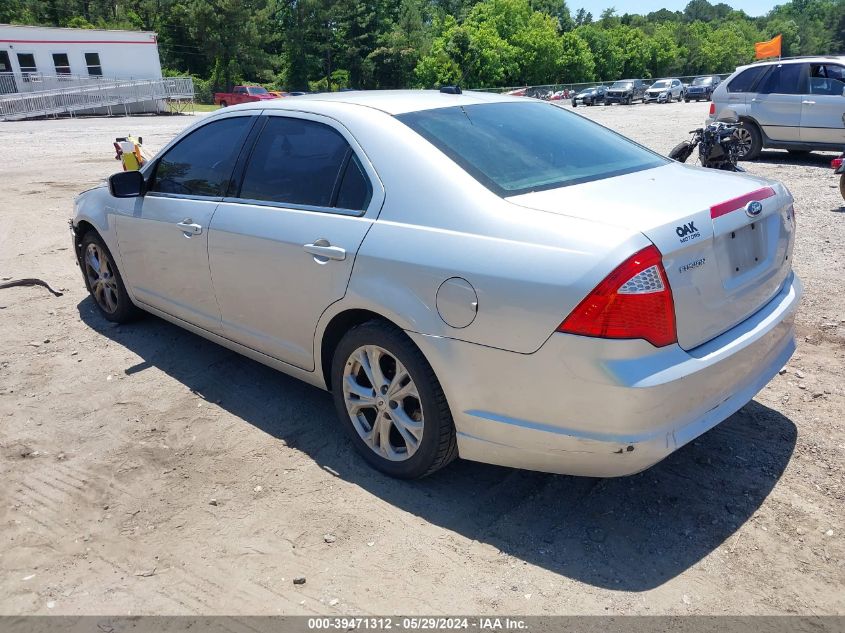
{"type": "Point", "coordinates": [126, 184]}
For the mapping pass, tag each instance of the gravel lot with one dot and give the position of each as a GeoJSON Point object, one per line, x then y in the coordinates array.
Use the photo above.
{"type": "Point", "coordinates": [115, 441]}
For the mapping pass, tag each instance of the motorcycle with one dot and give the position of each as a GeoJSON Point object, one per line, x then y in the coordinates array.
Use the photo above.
{"type": "Point", "coordinates": [838, 165]}
{"type": "Point", "coordinates": [717, 147]}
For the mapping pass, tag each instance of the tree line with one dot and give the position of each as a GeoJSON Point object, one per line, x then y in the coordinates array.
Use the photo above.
{"type": "Point", "coordinates": [333, 44]}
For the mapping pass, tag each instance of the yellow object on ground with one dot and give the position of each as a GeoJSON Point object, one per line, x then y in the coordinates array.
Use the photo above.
{"type": "Point", "coordinates": [130, 153]}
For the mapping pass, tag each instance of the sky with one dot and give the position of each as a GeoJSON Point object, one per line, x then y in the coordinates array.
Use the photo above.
{"type": "Point", "coordinates": [751, 7]}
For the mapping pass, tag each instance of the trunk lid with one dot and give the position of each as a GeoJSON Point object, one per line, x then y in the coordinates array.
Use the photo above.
{"type": "Point", "coordinates": [723, 263]}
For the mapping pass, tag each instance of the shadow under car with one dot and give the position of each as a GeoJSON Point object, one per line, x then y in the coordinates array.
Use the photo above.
{"type": "Point", "coordinates": [632, 533]}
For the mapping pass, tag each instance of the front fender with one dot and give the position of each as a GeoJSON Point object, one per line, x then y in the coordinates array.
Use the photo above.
{"type": "Point", "coordinates": [95, 208]}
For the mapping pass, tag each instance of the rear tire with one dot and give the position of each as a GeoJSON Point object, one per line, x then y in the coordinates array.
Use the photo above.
{"type": "Point", "coordinates": [409, 437]}
{"type": "Point", "coordinates": [223, 104]}
{"type": "Point", "coordinates": [103, 281]}
{"type": "Point", "coordinates": [842, 185]}
{"type": "Point", "coordinates": [750, 141]}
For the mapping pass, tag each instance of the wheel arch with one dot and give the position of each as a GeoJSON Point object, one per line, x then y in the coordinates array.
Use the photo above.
{"type": "Point", "coordinates": [337, 326]}
{"type": "Point", "coordinates": [80, 229]}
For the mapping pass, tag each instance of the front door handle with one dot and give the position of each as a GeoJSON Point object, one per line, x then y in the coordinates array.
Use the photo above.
{"type": "Point", "coordinates": [808, 102]}
{"type": "Point", "coordinates": [323, 251]}
{"type": "Point", "coordinates": [188, 227]}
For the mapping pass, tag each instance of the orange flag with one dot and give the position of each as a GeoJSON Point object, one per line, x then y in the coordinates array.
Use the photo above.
{"type": "Point", "coordinates": [768, 49]}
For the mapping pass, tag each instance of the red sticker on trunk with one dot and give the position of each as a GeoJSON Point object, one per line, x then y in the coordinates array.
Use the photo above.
{"type": "Point", "coordinates": [724, 208]}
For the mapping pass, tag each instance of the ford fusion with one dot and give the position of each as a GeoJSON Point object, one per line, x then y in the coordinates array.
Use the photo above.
{"type": "Point", "coordinates": [470, 275]}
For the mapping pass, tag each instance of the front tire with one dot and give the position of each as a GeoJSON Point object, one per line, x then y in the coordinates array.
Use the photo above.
{"type": "Point", "coordinates": [391, 403]}
{"type": "Point", "coordinates": [104, 282]}
{"type": "Point", "coordinates": [749, 141]}
{"type": "Point", "coordinates": [681, 152]}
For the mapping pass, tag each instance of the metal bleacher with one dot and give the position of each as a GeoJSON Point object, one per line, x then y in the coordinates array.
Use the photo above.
{"type": "Point", "coordinates": [36, 95]}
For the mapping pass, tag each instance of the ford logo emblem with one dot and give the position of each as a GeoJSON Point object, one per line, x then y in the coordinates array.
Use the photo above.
{"type": "Point", "coordinates": [754, 208]}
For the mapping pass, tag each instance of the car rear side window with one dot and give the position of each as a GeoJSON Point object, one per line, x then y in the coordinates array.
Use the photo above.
{"type": "Point", "coordinates": [746, 80]}
{"type": "Point", "coordinates": [201, 163]}
{"type": "Point", "coordinates": [514, 148]}
{"type": "Point", "coordinates": [355, 191]}
{"type": "Point", "coordinates": [784, 79]}
{"type": "Point", "coordinates": [295, 161]}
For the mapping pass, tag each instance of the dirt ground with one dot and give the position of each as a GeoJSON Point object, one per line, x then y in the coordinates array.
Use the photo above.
{"type": "Point", "coordinates": [146, 470]}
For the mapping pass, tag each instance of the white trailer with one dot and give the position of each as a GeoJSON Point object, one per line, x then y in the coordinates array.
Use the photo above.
{"type": "Point", "coordinates": [46, 70]}
{"type": "Point", "coordinates": [31, 51]}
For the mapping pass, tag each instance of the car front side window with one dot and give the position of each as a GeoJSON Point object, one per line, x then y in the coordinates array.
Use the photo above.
{"type": "Point", "coordinates": [201, 164]}
{"type": "Point", "coordinates": [827, 79]}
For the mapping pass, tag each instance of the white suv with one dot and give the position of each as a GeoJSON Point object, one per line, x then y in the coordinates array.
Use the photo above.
{"type": "Point", "coordinates": [664, 91]}
{"type": "Point", "coordinates": [792, 104]}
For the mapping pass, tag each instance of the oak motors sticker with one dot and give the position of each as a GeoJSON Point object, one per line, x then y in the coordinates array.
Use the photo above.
{"type": "Point", "coordinates": [687, 232]}
{"type": "Point", "coordinates": [693, 264]}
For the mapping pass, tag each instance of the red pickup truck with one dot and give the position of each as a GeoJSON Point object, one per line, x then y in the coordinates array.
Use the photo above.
{"type": "Point", "coordinates": [242, 94]}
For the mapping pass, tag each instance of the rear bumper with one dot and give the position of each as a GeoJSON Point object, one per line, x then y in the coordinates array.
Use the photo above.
{"type": "Point", "coordinates": [606, 408]}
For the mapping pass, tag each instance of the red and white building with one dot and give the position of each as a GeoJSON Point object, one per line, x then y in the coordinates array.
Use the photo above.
{"type": "Point", "coordinates": [28, 53]}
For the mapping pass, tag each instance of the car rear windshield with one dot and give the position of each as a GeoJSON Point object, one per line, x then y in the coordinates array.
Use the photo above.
{"type": "Point", "coordinates": [516, 148]}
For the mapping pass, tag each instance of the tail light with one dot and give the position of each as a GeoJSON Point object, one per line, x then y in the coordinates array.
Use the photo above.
{"type": "Point", "coordinates": [712, 108]}
{"type": "Point", "coordinates": [836, 163]}
{"type": "Point", "coordinates": [634, 301]}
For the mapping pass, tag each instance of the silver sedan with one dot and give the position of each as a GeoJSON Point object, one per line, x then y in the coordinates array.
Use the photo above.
{"type": "Point", "coordinates": [470, 275]}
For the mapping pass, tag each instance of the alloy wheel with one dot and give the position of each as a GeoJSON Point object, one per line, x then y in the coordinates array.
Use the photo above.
{"type": "Point", "coordinates": [744, 142]}
{"type": "Point", "coordinates": [100, 274]}
{"type": "Point", "coordinates": [383, 403]}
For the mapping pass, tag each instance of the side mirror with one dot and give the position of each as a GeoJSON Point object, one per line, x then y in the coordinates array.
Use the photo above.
{"type": "Point", "coordinates": [126, 184]}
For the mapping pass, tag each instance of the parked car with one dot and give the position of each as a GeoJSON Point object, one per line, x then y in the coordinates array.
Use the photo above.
{"type": "Point", "coordinates": [664, 91]}
{"type": "Point", "coordinates": [702, 87]}
{"type": "Point", "coordinates": [559, 95]}
{"type": "Point", "coordinates": [590, 96]}
{"type": "Point", "coordinates": [626, 91]}
{"type": "Point", "coordinates": [519, 295]}
{"type": "Point", "coordinates": [243, 94]}
{"type": "Point", "coordinates": [792, 104]}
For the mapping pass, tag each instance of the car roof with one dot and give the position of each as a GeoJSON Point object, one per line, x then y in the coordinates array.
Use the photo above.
{"type": "Point", "coordinates": [394, 101]}
{"type": "Point", "coordinates": [820, 59]}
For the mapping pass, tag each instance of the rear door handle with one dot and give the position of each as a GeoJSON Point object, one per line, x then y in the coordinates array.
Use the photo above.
{"type": "Point", "coordinates": [188, 227]}
{"type": "Point", "coordinates": [323, 251]}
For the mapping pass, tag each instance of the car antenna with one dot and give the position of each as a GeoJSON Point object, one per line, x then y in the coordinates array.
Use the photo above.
{"type": "Point", "coordinates": [451, 90]}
